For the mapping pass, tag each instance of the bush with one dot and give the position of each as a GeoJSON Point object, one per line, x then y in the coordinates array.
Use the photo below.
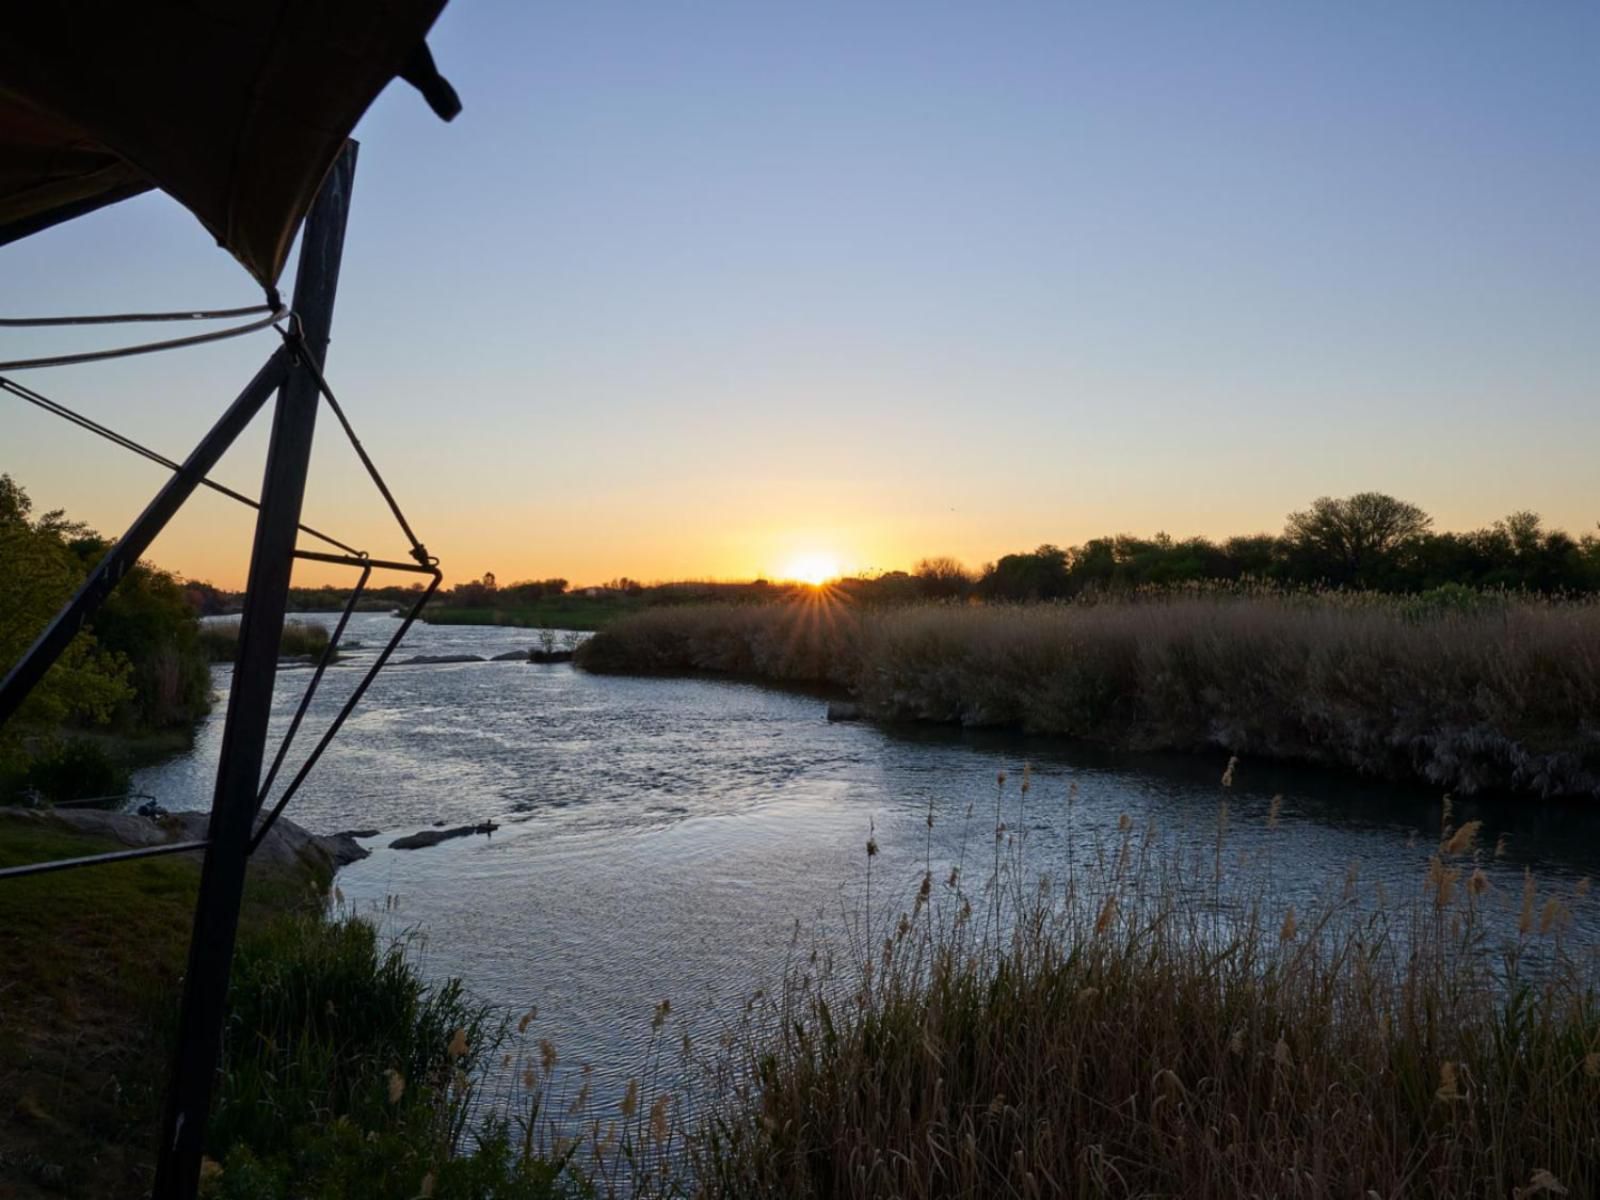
{"type": "Point", "coordinates": [76, 769]}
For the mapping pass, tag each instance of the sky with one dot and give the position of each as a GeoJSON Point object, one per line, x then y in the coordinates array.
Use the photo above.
{"type": "Point", "coordinates": [699, 290]}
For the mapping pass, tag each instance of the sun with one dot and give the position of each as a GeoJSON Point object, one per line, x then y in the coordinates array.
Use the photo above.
{"type": "Point", "coordinates": [815, 569]}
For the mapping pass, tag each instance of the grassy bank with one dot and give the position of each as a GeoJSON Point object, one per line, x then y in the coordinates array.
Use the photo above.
{"type": "Point", "coordinates": [344, 1072]}
{"type": "Point", "coordinates": [1160, 1023]}
{"type": "Point", "coordinates": [1461, 692]}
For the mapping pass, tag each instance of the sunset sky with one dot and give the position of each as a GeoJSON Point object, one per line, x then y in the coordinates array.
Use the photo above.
{"type": "Point", "coordinates": [703, 289]}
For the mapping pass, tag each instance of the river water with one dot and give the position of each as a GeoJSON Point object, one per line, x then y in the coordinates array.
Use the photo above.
{"type": "Point", "coordinates": [660, 838]}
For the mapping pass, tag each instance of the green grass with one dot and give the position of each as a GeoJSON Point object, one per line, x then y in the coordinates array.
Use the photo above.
{"type": "Point", "coordinates": [89, 965]}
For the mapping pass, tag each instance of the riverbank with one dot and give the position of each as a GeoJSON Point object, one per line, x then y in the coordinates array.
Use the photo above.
{"type": "Point", "coordinates": [341, 1069]}
{"type": "Point", "coordinates": [1501, 696]}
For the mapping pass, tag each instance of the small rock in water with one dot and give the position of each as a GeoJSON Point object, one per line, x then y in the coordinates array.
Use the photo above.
{"type": "Point", "coordinates": [513, 656]}
{"type": "Point", "coordinates": [432, 837]}
{"type": "Point", "coordinates": [843, 710]}
{"type": "Point", "coordinates": [433, 660]}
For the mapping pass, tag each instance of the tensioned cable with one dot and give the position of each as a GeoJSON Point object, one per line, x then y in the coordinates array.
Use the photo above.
{"type": "Point", "coordinates": [55, 408]}
{"type": "Point", "coordinates": [426, 563]}
{"type": "Point", "coordinates": [297, 342]}
{"type": "Point", "coordinates": [350, 702]}
{"type": "Point", "coordinates": [195, 339]}
{"type": "Point", "coordinates": [208, 314]}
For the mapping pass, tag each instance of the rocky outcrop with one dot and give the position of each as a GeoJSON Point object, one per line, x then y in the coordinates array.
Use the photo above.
{"type": "Point", "coordinates": [512, 656]}
{"type": "Point", "coordinates": [434, 660]}
{"type": "Point", "coordinates": [287, 845]}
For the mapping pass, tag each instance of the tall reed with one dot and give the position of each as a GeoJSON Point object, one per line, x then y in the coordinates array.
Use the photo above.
{"type": "Point", "coordinates": [1146, 1026]}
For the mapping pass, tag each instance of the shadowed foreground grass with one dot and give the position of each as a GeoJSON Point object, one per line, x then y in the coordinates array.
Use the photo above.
{"type": "Point", "coordinates": [345, 1073]}
{"type": "Point", "coordinates": [1469, 693]}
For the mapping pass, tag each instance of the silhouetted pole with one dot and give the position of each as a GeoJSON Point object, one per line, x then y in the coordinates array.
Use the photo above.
{"type": "Point", "coordinates": [233, 804]}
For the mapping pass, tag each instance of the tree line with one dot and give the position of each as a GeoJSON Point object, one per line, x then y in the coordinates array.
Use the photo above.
{"type": "Point", "coordinates": [1369, 541]}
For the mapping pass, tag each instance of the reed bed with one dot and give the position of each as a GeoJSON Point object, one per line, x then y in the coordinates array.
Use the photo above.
{"type": "Point", "coordinates": [1501, 695]}
{"type": "Point", "coordinates": [1153, 1023]}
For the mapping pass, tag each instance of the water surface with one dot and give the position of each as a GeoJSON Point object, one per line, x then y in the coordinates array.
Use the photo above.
{"type": "Point", "coordinates": [660, 838]}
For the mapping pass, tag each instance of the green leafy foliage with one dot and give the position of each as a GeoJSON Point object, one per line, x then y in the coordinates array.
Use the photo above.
{"type": "Point", "coordinates": [39, 570]}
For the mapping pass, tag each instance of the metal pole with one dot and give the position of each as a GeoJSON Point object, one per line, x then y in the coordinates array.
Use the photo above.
{"type": "Point", "coordinates": [233, 805]}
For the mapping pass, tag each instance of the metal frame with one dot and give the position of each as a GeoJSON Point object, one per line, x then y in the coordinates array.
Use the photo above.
{"type": "Point", "coordinates": [294, 372]}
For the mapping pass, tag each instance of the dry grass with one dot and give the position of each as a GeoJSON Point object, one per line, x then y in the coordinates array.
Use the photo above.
{"type": "Point", "coordinates": [1154, 1024]}
{"type": "Point", "coordinates": [1493, 696]}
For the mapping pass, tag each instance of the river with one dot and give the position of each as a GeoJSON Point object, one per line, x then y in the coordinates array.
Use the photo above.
{"type": "Point", "coordinates": [659, 838]}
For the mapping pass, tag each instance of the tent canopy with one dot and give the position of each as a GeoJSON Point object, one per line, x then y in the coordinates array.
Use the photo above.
{"type": "Point", "coordinates": [234, 109]}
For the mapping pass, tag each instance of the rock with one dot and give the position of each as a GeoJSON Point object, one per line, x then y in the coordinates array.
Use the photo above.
{"type": "Point", "coordinates": [288, 845]}
{"type": "Point", "coordinates": [434, 660]}
{"type": "Point", "coordinates": [843, 710]}
{"type": "Point", "coordinates": [357, 833]}
{"type": "Point", "coordinates": [549, 656]}
{"type": "Point", "coordinates": [432, 837]}
{"type": "Point", "coordinates": [513, 656]}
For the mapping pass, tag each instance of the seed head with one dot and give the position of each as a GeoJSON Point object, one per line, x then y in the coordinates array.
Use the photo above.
{"type": "Point", "coordinates": [1108, 914]}
{"type": "Point", "coordinates": [1540, 1182]}
{"type": "Point", "coordinates": [1461, 842]}
{"type": "Point", "coordinates": [1448, 1090]}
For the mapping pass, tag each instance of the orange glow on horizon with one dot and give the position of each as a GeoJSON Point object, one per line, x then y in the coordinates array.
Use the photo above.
{"type": "Point", "coordinates": [814, 569]}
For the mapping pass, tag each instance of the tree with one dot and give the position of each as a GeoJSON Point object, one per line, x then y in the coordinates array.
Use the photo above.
{"type": "Point", "coordinates": [1354, 540]}
{"type": "Point", "coordinates": [942, 578]}
{"type": "Point", "coordinates": [1042, 575]}
{"type": "Point", "coordinates": [40, 572]}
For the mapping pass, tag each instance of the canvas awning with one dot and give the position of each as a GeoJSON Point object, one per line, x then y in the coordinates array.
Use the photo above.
{"type": "Point", "coordinates": [234, 109]}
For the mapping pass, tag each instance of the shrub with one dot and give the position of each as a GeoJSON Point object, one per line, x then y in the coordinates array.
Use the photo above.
{"type": "Point", "coordinates": [75, 769]}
